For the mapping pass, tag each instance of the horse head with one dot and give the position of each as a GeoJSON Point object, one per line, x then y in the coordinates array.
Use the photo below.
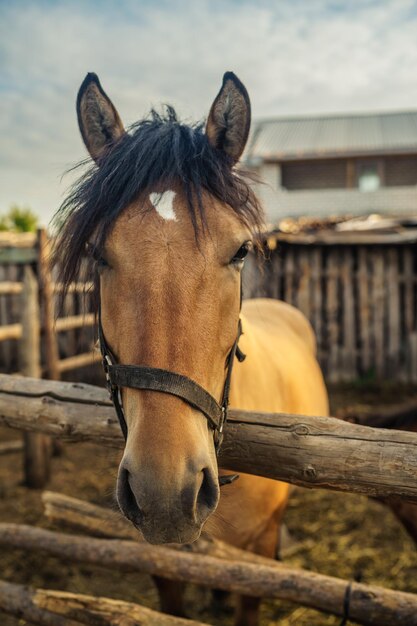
{"type": "Point", "coordinates": [168, 219]}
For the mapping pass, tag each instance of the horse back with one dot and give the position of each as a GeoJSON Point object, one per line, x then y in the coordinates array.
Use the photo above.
{"type": "Point", "coordinates": [281, 372]}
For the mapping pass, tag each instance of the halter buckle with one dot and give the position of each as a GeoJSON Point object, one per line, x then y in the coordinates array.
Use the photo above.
{"type": "Point", "coordinates": [106, 361]}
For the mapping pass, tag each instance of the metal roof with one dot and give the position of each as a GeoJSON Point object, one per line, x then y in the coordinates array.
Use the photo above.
{"type": "Point", "coordinates": [333, 135]}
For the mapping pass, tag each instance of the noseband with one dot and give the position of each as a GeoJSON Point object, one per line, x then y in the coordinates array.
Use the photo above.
{"type": "Point", "coordinates": [165, 381]}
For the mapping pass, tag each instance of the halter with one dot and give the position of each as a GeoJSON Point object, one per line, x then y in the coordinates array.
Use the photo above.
{"type": "Point", "coordinates": [156, 379]}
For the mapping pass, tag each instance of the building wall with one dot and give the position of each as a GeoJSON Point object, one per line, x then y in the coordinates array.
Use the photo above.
{"type": "Point", "coordinates": [329, 174]}
{"type": "Point", "coordinates": [397, 198]}
{"type": "Point", "coordinates": [400, 171]}
{"type": "Point", "coordinates": [344, 173]}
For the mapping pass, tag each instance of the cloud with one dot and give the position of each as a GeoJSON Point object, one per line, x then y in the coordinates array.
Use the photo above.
{"type": "Point", "coordinates": [295, 57]}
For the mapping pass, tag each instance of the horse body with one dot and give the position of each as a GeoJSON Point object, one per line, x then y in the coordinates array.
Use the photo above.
{"type": "Point", "coordinates": [170, 220]}
{"type": "Point", "coordinates": [280, 374]}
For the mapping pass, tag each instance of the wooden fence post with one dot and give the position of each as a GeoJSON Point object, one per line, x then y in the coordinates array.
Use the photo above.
{"type": "Point", "coordinates": [36, 445]}
{"type": "Point", "coordinates": [46, 292]}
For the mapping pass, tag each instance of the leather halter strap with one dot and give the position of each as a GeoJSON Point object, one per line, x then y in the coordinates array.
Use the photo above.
{"type": "Point", "coordinates": [165, 381]}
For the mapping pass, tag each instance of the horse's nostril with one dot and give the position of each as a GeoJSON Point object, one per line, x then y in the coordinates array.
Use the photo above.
{"type": "Point", "coordinates": [208, 495]}
{"type": "Point", "coordinates": [126, 498]}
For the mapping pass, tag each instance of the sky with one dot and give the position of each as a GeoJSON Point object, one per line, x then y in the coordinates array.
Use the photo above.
{"type": "Point", "coordinates": [294, 56]}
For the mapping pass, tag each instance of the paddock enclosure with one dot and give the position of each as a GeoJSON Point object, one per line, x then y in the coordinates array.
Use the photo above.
{"type": "Point", "coordinates": [85, 565]}
{"type": "Point", "coordinates": [66, 332]}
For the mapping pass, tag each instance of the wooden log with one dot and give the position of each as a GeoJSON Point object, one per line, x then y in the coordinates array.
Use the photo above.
{"type": "Point", "coordinates": [74, 321]}
{"type": "Point", "coordinates": [404, 417]}
{"type": "Point", "coordinates": [29, 353]}
{"type": "Point", "coordinates": [60, 608]}
{"type": "Point", "coordinates": [8, 287]}
{"type": "Point", "coordinates": [369, 604]}
{"type": "Point", "coordinates": [37, 446]}
{"type": "Point", "coordinates": [74, 514]}
{"type": "Point", "coordinates": [105, 611]}
{"type": "Point", "coordinates": [10, 331]}
{"type": "Point", "coordinates": [74, 287]}
{"type": "Point", "coordinates": [79, 360]}
{"type": "Point", "coordinates": [304, 450]}
{"type": "Point", "coordinates": [9, 447]}
{"type": "Point", "coordinates": [18, 600]}
{"type": "Point", "coordinates": [47, 306]}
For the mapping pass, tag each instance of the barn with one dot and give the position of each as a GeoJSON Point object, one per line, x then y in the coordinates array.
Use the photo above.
{"type": "Point", "coordinates": [340, 193]}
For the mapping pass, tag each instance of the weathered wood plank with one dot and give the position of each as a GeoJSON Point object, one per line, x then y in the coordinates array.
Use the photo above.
{"type": "Point", "coordinates": [289, 265]}
{"type": "Point", "coordinates": [332, 307]}
{"type": "Point", "coordinates": [348, 309]}
{"type": "Point", "coordinates": [392, 305]}
{"type": "Point", "coordinates": [303, 291]}
{"type": "Point", "coordinates": [378, 311]}
{"type": "Point", "coordinates": [409, 314]}
{"type": "Point", "coordinates": [308, 451]}
{"type": "Point", "coordinates": [316, 295]}
{"type": "Point", "coordinates": [364, 310]}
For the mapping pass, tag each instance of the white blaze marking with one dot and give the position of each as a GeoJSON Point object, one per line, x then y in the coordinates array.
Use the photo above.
{"type": "Point", "coordinates": [163, 203]}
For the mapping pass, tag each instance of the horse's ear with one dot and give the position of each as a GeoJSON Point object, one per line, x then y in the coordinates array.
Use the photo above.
{"type": "Point", "coordinates": [99, 122]}
{"type": "Point", "coordinates": [228, 122]}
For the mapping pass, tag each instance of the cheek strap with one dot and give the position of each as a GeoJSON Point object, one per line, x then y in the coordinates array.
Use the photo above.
{"type": "Point", "coordinates": [165, 381]}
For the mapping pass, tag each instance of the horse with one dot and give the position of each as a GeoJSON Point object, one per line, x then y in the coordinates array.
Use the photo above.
{"type": "Point", "coordinates": [167, 216]}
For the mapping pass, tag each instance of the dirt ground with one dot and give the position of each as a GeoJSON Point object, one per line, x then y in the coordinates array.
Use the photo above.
{"type": "Point", "coordinates": [340, 535]}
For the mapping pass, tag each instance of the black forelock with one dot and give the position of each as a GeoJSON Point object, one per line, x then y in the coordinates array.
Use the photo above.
{"type": "Point", "coordinates": [157, 151]}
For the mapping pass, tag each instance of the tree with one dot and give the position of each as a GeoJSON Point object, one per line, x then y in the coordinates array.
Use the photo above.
{"type": "Point", "coordinates": [19, 220]}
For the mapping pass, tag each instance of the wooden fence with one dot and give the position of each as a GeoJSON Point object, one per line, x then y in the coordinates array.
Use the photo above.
{"type": "Point", "coordinates": [359, 293]}
{"type": "Point", "coordinates": [34, 342]}
{"type": "Point", "coordinates": [303, 450]}
{"type": "Point", "coordinates": [67, 341]}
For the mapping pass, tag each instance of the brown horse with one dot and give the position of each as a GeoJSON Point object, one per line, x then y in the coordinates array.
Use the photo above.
{"type": "Point", "coordinates": [169, 220]}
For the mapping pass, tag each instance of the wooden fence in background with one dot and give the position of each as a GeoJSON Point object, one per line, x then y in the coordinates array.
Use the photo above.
{"type": "Point", "coordinates": [359, 293]}
{"type": "Point", "coordinates": [67, 341]}
{"type": "Point", "coordinates": [33, 340]}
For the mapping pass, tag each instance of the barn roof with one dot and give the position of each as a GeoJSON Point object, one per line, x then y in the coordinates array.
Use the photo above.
{"type": "Point", "coordinates": [328, 136]}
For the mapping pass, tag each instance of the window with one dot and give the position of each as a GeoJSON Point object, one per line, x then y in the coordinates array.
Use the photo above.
{"type": "Point", "coordinates": [368, 175]}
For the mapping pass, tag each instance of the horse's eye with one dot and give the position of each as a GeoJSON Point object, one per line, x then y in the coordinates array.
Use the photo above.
{"type": "Point", "coordinates": [101, 263]}
{"type": "Point", "coordinates": [94, 252]}
{"type": "Point", "coordinates": [240, 255]}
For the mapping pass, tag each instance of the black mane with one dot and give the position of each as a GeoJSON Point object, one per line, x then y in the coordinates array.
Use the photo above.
{"type": "Point", "coordinates": [159, 150]}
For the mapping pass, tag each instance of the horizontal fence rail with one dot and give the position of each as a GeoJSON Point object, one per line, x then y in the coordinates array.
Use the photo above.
{"type": "Point", "coordinates": [369, 604]}
{"type": "Point", "coordinates": [303, 450]}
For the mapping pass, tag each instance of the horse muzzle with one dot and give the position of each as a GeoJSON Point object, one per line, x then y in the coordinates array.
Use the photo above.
{"type": "Point", "coordinates": [169, 511]}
